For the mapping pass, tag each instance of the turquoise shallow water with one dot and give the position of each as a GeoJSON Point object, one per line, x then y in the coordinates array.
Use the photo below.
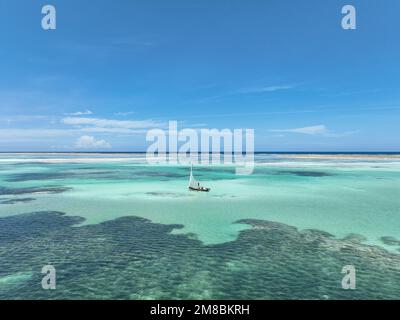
{"type": "Point", "coordinates": [338, 195]}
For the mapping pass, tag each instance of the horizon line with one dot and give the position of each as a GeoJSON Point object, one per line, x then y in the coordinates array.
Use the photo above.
{"type": "Point", "coordinates": [221, 152]}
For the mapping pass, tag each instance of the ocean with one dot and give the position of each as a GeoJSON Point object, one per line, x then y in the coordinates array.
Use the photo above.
{"type": "Point", "coordinates": [116, 227]}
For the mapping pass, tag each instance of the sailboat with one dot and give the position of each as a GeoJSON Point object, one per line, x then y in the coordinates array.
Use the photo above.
{"type": "Point", "coordinates": [194, 185]}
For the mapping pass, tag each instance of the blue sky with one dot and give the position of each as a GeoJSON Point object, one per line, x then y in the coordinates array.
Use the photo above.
{"type": "Point", "coordinates": [114, 69]}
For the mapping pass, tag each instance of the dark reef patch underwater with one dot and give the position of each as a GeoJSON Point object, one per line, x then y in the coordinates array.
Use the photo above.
{"type": "Point", "coordinates": [133, 258]}
{"type": "Point", "coordinates": [32, 190]}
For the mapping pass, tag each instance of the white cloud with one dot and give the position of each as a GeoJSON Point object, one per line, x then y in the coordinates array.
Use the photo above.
{"type": "Point", "coordinates": [266, 89]}
{"type": "Point", "coordinates": [313, 130]}
{"type": "Point", "coordinates": [342, 134]}
{"type": "Point", "coordinates": [79, 126]}
{"type": "Point", "coordinates": [80, 113]}
{"type": "Point", "coordinates": [89, 142]}
{"type": "Point", "coordinates": [23, 118]}
{"type": "Point", "coordinates": [317, 130]}
{"type": "Point", "coordinates": [112, 130]}
{"type": "Point", "coordinates": [110, 123]}
{"type": "Point", "coordinates": [244, 91]}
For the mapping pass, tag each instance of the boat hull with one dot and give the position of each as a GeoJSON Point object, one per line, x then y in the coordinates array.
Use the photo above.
{"type": "Point", "coordinates": [200, 189]}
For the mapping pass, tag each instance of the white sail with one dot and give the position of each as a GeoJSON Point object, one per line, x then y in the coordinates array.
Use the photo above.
{"type": "Point", "coordinates": [194, 185]}
{"type": "Point", "coordinates": [192, 181]}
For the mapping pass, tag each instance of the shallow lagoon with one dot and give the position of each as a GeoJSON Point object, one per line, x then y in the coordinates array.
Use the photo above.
{"type": "Point", "coordinates": [341, 196]}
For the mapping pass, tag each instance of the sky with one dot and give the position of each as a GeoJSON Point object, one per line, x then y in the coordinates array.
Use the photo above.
{"type": "Point", "coordinates": [112, 70]}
